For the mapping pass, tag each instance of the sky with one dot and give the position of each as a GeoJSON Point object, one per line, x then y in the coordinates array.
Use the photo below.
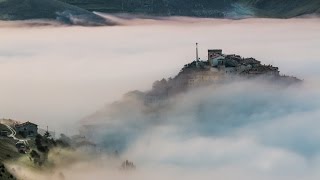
{"type": "Point", "coordinates": [56, 76]}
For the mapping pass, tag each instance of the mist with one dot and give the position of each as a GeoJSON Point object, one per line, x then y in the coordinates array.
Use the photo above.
{"type": "Point", "coordinates": [250, 129]}
{"type": "Point", "coordinates": [56, 76]}
{"type": "Point", "coordinates": [53, 75]}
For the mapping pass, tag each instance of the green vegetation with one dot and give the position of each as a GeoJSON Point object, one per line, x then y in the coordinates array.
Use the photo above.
{"type": "Point", "coordinates": [283, 8]}
{"type": "Point", "coordinates": [7, 152]}
{"type": "Point", "coordinates": [34, 156]}
{"type": "Point", "coordinates": [4, 174]}
{"type": "Point", "coordinates": [7, 147]}
{"type": "Point", "coordinates": [48, 9]}
{"type": "Point", "coordinates": [210, 8]}
{"type": "Point", "coordinates": [80, 11]}
{"type": "Point", "coordinates": [203, 8]}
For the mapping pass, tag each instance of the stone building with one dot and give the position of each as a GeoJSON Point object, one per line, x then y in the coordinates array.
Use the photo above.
{"type": "Point", "coordinates": [213, 52]}
{"type": "Point", "coordinates": [27, 129]}
{"type": "Point", "coordinates": [216, 69]}
{"type": "Point", "coordinates": [203, 78]}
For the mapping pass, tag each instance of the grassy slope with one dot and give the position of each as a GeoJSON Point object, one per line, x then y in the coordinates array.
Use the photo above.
{"type": "Point", "coordinates": [7, 151]}
{"type": "Point", "coordinates": [158, 7]}
{"type": "Point", "coordinates": [263, 8]}
{"type": "Point", "coordinates": [283, 8]}
{"type": "Point", "coordinates": [43, 9]}
{"type": "Point", "coordinates": [48, 9]}
{"type": "Point", "coordinates": [97, 5]}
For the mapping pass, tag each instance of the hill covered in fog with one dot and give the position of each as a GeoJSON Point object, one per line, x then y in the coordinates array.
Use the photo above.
{"type": "Point", "coordinates": [205, 8]}
{"type": "Point", "coordinates": [48, 10]}
{"type": "Point", "coordinates": [198, 79]}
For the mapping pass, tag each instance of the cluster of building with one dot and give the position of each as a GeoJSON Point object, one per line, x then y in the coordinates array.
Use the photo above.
{"type": "Point", "coordinates": [220, 66]}
{"type": "Point", "coordinates": [217, 68]}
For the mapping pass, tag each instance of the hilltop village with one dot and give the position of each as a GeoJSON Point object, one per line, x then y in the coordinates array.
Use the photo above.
{"type": "Point", "coordinates": [218, 68]}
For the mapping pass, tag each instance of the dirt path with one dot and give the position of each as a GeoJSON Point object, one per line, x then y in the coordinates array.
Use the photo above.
{"type": "Point", "coordinates": [14, 133]}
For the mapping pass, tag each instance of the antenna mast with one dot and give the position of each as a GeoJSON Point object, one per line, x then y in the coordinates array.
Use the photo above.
{"type": "Point", "coordinates": [197, 54]}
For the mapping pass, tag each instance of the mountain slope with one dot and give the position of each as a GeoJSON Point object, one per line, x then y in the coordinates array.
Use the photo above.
{"type": "Point", "coordinates": [283, 8]}
{"type": "Point", "coordinates": [79, 12]}
{"type": "Point", "coordinates": [7, 151]}
{"type": "Point", "coordinates": [48, 9]}
{"type": "Point", "coordinates": [205, 8]}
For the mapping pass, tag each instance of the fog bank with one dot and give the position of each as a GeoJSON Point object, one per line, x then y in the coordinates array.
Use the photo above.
{"type": "Point", "coordinates": [57, 75]}
{"type": "Point", "coordinates": [243, 130]}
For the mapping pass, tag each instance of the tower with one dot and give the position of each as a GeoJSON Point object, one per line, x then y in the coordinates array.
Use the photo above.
{"type": "Point", "coordinates": [197, 54]}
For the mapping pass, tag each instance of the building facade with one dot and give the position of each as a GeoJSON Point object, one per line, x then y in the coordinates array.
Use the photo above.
{"type": "Point", "coordinates": [27, 129]}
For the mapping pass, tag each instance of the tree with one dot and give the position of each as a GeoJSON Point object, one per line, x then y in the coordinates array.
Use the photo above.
{"type": "Point", "coordinates": [47, 134]}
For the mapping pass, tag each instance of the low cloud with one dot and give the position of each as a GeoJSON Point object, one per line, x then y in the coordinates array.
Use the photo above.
{"type": "Point", "coordinates": [244, 130]}
{"type": "Point", "coordinates": [60, 74]}
{"type": "Point", "coordinates": [240, 130]}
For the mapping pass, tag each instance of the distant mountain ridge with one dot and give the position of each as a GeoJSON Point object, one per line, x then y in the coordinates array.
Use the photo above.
{"type": "Point", "coordinates": [80, 12]}
{"type": "Point", "coordinates": [205, 8]}
{"type": "Point", "coordinates": [283, 8]}
{"type": "Point", "coordinates": [48, 10]}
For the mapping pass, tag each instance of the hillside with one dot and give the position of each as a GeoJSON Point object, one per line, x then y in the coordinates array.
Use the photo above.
{"type": "Point", "coordinates": [200, 8]}
{"type": "Point", "coordinates": [34, 155]}
{"type": "Point", "coordinates": [7, 152]}
{"type": "Point", "coordinates": [7, 147]}
{"type": "Point", "coordinates": [283, 8]}
{"type": "Point", "coordinates": [80, 12]}
{"type": "Point", "coordinates": [48, 10]}
{"type": "Point", "coordinates": [204, 8]}
{"type": "Point", "coordinates": [220, 69]}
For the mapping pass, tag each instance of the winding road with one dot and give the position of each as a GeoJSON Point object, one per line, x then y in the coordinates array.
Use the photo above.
{"type": "Point", "coordinates": [13, 135]}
